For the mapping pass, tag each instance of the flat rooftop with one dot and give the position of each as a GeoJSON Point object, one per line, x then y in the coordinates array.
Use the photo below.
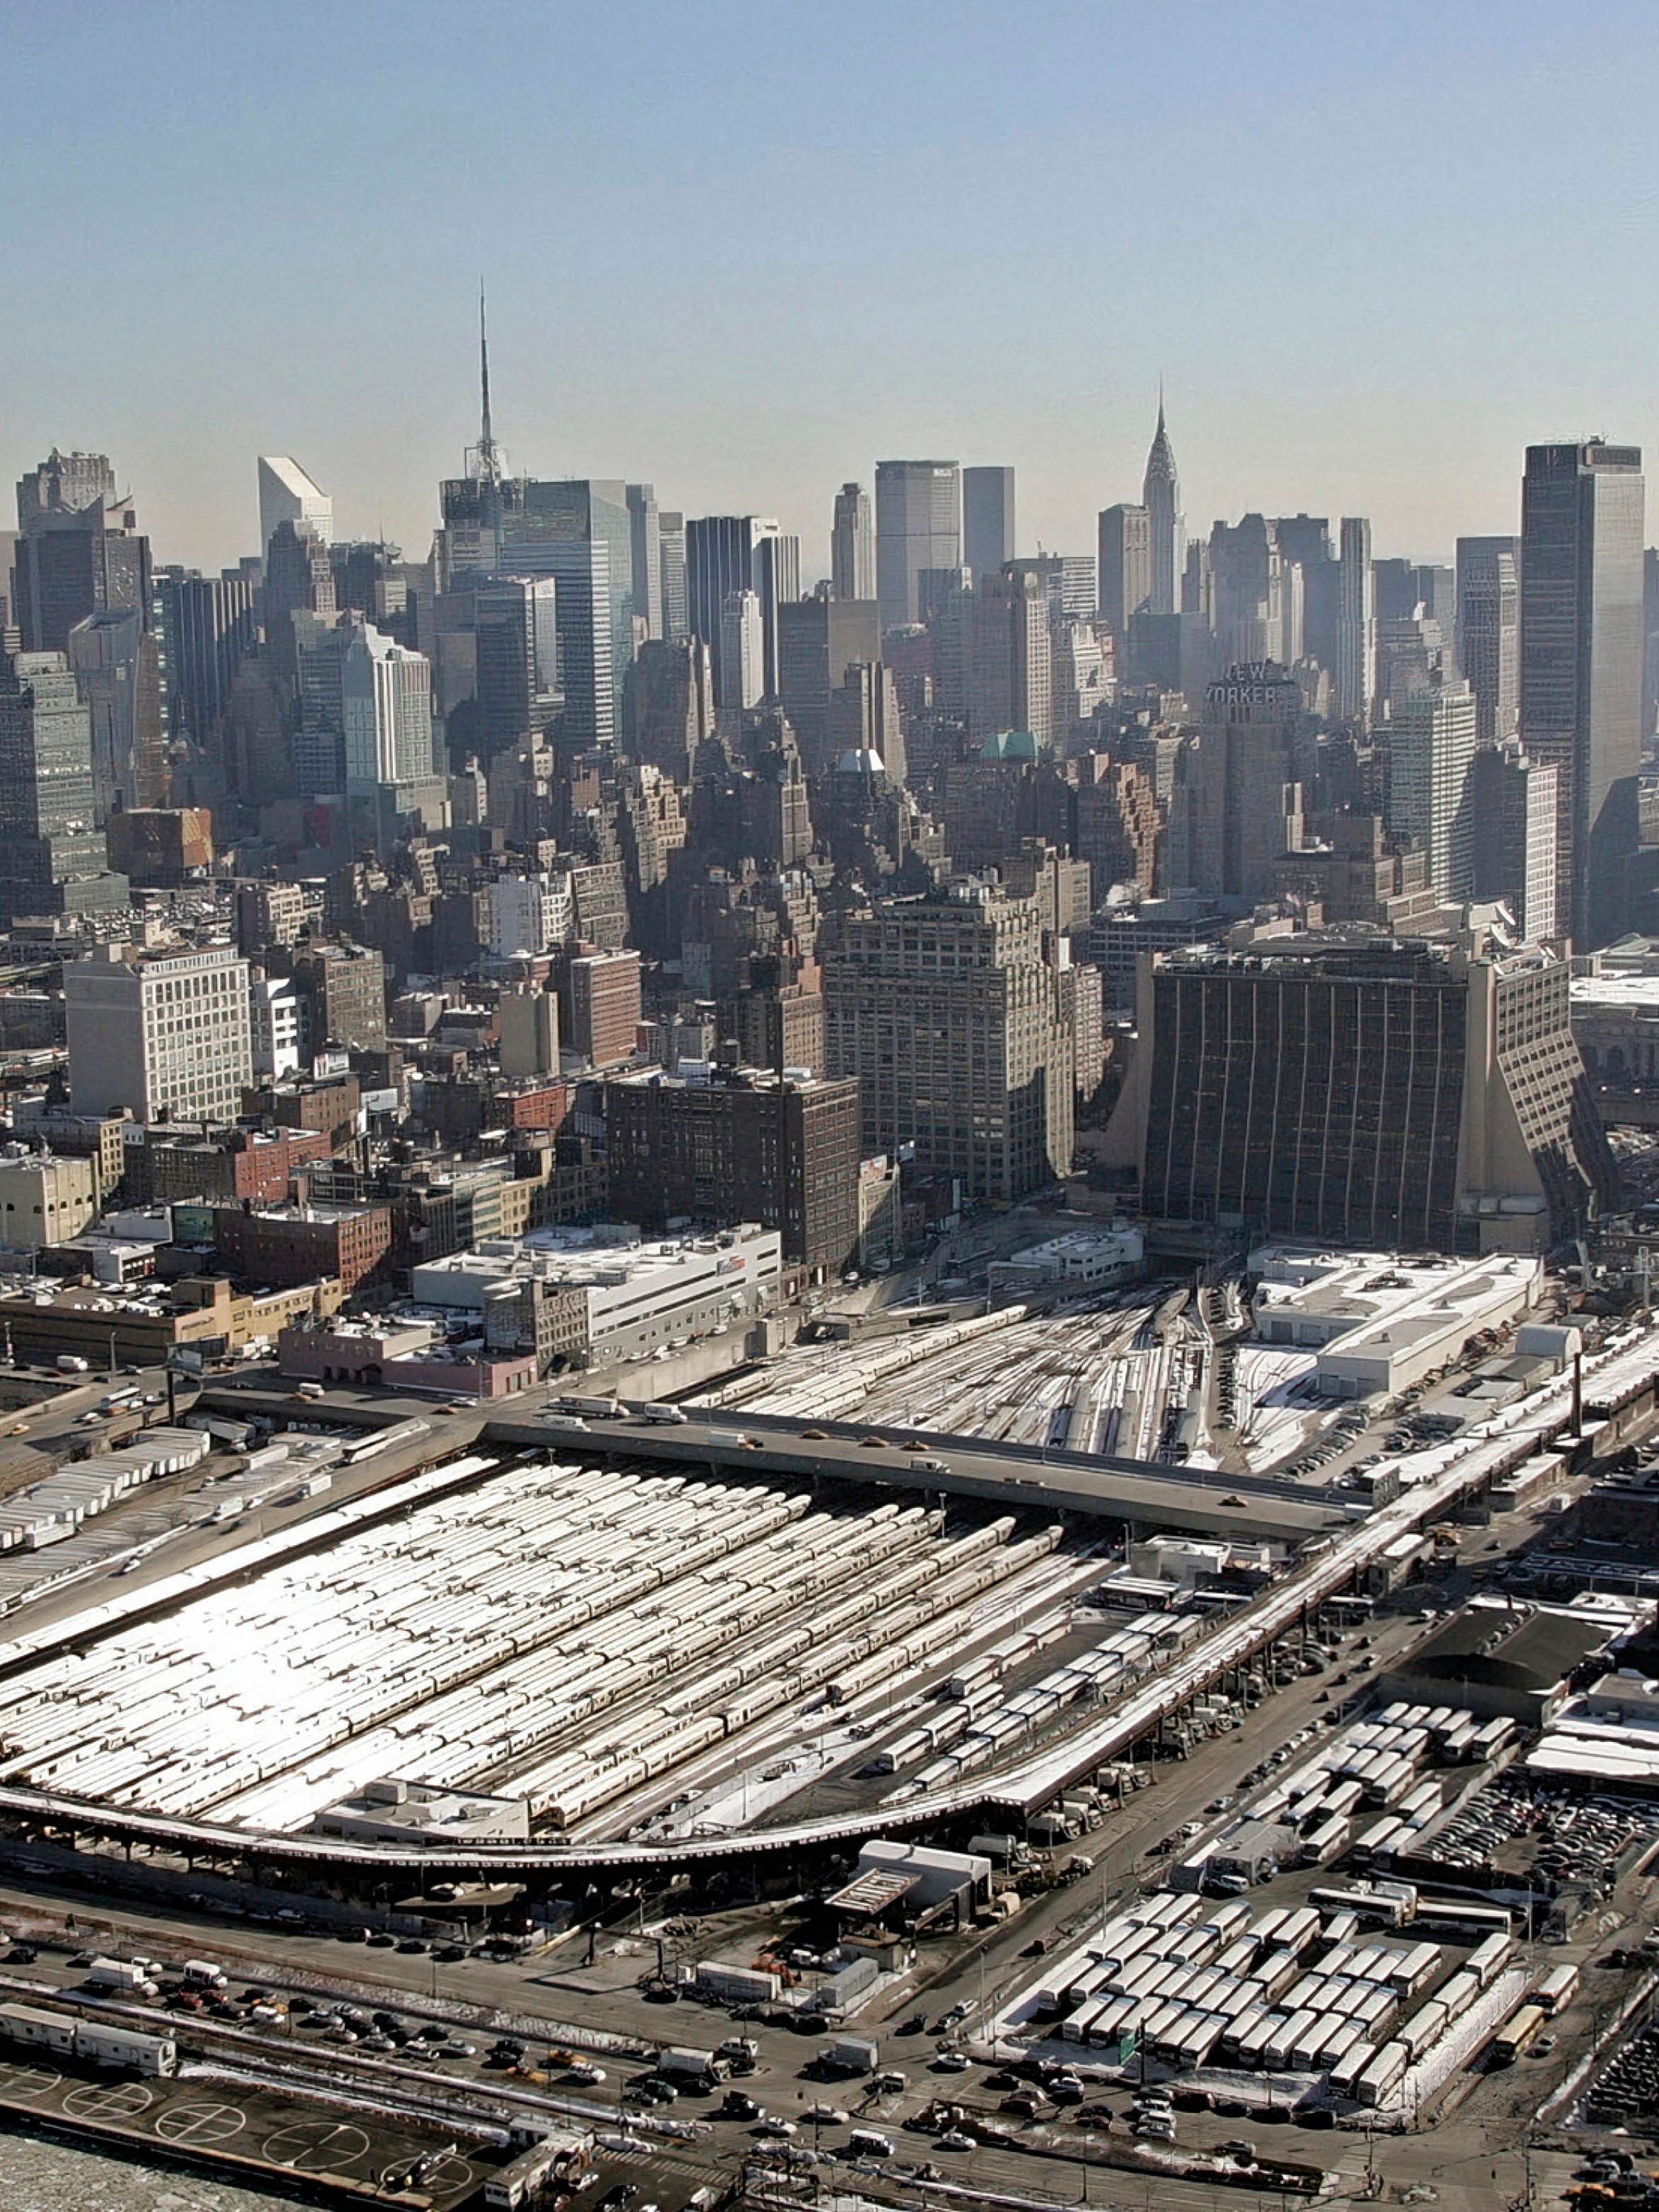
{"type": "Point", "coordinates": [1355, 1298]}
{"type": "Point", "coordinates": [1640, 993]}
{"type": "Point", "coordinates": [557, 1259]}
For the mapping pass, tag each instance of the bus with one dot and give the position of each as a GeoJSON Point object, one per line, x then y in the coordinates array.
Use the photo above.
{"type": "Point", "coordinates": [1516, 2033]}
{"type": "Point", "coordinates": [1555, 1991]}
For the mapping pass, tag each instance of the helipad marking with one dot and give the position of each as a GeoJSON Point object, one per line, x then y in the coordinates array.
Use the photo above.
{"type": "Point", "coordinates": [118, 2101]}
{"type": "Point", "coordinates": [316, 2146]}
{"type": "Point", "coordinates": [195, 2122]}
{"type": "Point", "coordinates": [17, 2080]}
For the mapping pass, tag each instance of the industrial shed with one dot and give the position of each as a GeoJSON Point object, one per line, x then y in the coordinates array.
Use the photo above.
{"type": "Point", "coordinates": [1514, 1662]}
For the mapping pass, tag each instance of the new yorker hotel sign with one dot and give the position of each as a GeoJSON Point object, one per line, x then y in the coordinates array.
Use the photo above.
{"type": "Point", "coordinates": [1252, 683]}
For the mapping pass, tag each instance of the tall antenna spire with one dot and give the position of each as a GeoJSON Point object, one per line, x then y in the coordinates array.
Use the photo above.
{"type": "Point", "coordinates": [489, 464]}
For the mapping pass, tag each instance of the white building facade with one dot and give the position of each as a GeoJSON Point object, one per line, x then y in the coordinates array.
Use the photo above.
{"type": "Point", "coordinates": [287, 494]}
{"type": "Point", "coordinates": [169, 1036]}
{"type": "Point", "coordinates": [530, 914]}
{"type": "Point", "coordinates": [387, 709]}
{"type": "Point", "coordinates": [276, 1018]}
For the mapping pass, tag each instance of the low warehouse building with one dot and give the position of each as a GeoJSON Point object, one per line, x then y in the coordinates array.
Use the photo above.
{"type": "Point", "coordinates": [394, 1811]}
{"type": "Point", "coordinates": [612, 1295]}
{"type": "Point", "coordinates": [1381, 1324]}
{"type": "Point", "coordinates": [1084, 1259]}
{"type": "Point", "coordinates": [909, 1882]}
{"type": "Point", "coordinates": [1498, 1660]}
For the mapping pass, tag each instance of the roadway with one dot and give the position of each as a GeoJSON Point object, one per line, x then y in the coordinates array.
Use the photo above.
{"type": "Point", "coordinates": [54, 1427]}
{"type": "Point", "coordinates": [1135, 1491]}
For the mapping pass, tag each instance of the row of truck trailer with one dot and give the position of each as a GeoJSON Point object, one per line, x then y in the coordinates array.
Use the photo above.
{"type": "Point", "coordinates": [1188, 1982]}
{"type": "Point", "coordinates": [60, 2035]}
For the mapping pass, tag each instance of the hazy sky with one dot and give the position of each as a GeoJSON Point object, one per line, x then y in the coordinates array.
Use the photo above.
{"type": "Point", "coordinates": [745, 251]}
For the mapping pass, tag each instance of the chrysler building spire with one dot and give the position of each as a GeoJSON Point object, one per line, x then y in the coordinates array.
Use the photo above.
{"type": "Point", "coordinates": [1160, 493]}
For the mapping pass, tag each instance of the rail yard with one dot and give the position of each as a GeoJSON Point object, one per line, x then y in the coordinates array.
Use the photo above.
{"type": "Point", "coordinates": [559, 1633]}
{"type": "Point", "coordinates": [570, 1630]}
{"type": "Point", "coordinates": [1131, 1376]}
{"type": "Point", "coordinates": [1100, 1380]}
{"type": "Point", "coordinates": [920, 1610]}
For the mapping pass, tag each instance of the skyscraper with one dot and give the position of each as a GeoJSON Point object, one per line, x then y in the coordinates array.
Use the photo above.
{"type": "Point", "coordinates": [473, 505]}
{"type": "Point", "coordinates": [1513, 806]}
{"type": "Point", "coordinates": [80, 551]}
{"type": "Point", "coordinates": [671, 545]}
{"type": "Point", "coordinates": [672, 693]}
{"type": "Point", "coordinates": [287, 494]}
{"type": "Point", "coordinates": [299, 575]}
{"type": "Point", "coordinates": [1242, 796]}
{"type": "Point", "coordinates": [208, 627]}
{"type": "Point", "coordinates": [581, 532]}
{"type": "Point", "coordinates": [853, 545]}
{"type": "Point", "coordinates": [516, 639]}
{"type": "Point", "coordinates": [1160, 494]}
{"type": "Point", "coordinates": [1489, 630]}
{"type": "Point", "coordinates": [818, 641]}
{"type": "Point", "coordinates": [729, 553]}
{"type": "Point", "coordinates": [386, 698]}
{"type": "Point", "coordinates": [1010, 666]}
{"type": "Point", "coordinates": [52, 855]}
{"type": "Point", "coordinates": [1432, 748]}
{"type": "Point", "coordinates": [918, 527]}
{"type": "Point", "coordinates": [1125, 566]}
{"type": "Point", "coordinates": [987, 520]}
{"type": "Point", "coordinates": [1581, 663]}
{"type": "Point", "coordinates": [1356, 621]}
{"type": "Point", "coordinates": [1069, 581]}
{"type": "Point", "coordinates": [1305, 541]}
{"type": "Point", "coordinates": [777, 585]}
{"type": "Point", "coordinates": [951, 1010]}
{"type": "Point", "coordinates": [647, 557]}
{"type": "Point", "coordinates": [117, 671]}
{"type": "Point", "coordinates": [743, 652]}
{"type": "Point", "coordinates": [1255, 617]}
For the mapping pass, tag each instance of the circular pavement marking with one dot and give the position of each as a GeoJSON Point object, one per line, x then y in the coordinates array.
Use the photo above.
{"type": "Point", "coordinates": [316, 2146]}
{"type": "Point", "coordinates": [197, 2122]}
{"type": "Point", "coordinates": [114, 2100]}
{"type": "Point", "coordinates": [26, 2081]}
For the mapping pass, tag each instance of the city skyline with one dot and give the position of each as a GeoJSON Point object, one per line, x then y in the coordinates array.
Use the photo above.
{"type": "Point", "coordinates": [980, 351]}
{"type": "Point", "coordinates": [830, 903]}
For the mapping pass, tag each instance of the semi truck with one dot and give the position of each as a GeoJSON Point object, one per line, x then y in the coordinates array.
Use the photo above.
{"type": "Point", "coordinates": [679, 2062]}
{"type": "Point", "coordinates": [850, 2054]}
{"type": "Point", "coordinates": [125, 1976]}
